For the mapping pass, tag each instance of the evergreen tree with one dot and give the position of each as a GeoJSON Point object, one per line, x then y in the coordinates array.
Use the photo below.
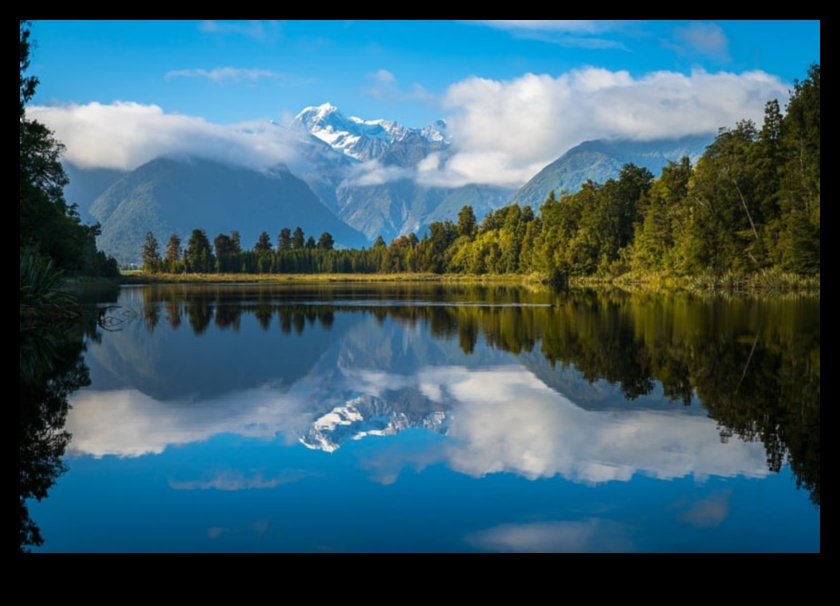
{"type": "Point", "coordinates": [227, 248]}
{"type": "Point", "coordinates": [298, 240]}
{"type": "Point", "coordinates": [467, 224]}
{"type": "Point", "coordinates": [173, 254]}
{"type": "Point", "coordinates": [235, 242]}
{"type": "Point", "coordinates": [263, 244]}
{"type": "Point", "coordinates": [799, 239]}
{"type": "Point", "coordinates": [656, 233]}
{"type": "Point", "coordinates": [198, 257]}
{"type": "Point", "coordinates": [151, 254]}
{"type": "Point", "coordinates": [284, 240]}
{"type": "Point", "coordinates": [326, 242]}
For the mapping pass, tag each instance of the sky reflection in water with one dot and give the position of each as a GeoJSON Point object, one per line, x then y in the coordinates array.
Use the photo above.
{"type": "Point", "coordinates": [373, 433]}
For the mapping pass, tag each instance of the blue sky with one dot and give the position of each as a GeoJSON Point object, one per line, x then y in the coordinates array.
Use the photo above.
{"type": "Point", "coordinates": [516, 94]}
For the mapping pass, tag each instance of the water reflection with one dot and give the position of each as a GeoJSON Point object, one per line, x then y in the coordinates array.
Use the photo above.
{"type": "Point", "coordinates": [593, 388]}
{"type": "Point", "coordinates": [51, 369]}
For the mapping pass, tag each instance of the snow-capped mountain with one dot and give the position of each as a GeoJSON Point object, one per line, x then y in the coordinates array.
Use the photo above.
{"type": "Point", "coordinates": [357, 179]}
{"type": "Point", "coordinates": [360, 139]}
{"type": "Point", "coordinates": [366, 415]}
{"type": "Point", "coordinates": [382, 198]}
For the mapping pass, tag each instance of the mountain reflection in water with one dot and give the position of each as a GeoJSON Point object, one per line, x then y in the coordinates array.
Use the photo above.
{"type": "Point", "coordinates": [595, 401]}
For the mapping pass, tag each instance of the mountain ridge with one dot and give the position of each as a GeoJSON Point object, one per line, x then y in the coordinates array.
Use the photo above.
{"type": "Point", "coordinates": [351, 177]}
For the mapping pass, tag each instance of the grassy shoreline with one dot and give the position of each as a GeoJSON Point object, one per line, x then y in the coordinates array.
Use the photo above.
{"type": "Point", "coordinates": [762, 282]}
{"type": "Point", "coordinates": [145, 278]}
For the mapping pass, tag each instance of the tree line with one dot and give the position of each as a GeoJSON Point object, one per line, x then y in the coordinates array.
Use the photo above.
{"type": "Point", "coordinates": [750, 203]}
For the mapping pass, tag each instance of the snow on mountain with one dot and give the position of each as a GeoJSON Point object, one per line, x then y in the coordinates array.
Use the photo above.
{"type": "Point", "coordinates": [435, 132]}
{"type": "Point", "coordinates": [361, 139]}
{"type": "Point", "coordinates": [366, 415]}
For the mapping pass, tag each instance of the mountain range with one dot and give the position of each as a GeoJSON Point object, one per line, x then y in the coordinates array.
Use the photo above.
{"type": "Point", "coordinates": [353, 178]}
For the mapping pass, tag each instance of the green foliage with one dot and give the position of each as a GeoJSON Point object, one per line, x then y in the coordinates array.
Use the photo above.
{"type": "Point", "coordinates": [326, 242]}
{"type": "Point", "coordinates": [172, 261]}
{"type": "Point", "coordinates": [284, 239]}
{"type": "Point", "coordinates": [227, 248]}
{"type": "Point", "coordinates": [43, 299]}
{"type": "Point", "coordinates": [48, 224]}
{"type": "Point", "coordinates": [151, 254]}
{"type": "Point", "coordinates": [298, 241]}
{"type": "Point", "coordinates": [198, 258]}
{"type": "Point", "coordinates": [750, 205]}
{"type": "Point", "coordinates": [656, 233]}
{"type": "Point", "coordinates": [467, 224]}
{"type": "Point", "coordinates": [263, 244]}
{"type": "Point", "coordinates": [51, 368]}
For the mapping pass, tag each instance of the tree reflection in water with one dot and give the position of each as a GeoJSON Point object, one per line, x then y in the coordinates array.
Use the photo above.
{"type": "Point", "coordinates": [753, 363]}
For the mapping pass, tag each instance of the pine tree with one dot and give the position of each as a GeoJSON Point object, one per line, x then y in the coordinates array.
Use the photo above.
{"type": "Point", "coordinates": [198, 257]}
{"type": "Point", "coordinates": [151, 254]}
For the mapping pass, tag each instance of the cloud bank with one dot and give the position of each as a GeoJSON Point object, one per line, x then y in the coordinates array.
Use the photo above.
{"type": "Point", "coordinates": [502, 132]}
{"type": "Point", "coordinates": [506, 131]}
{"type": "Point", "coordinates": [546, 435]}
{"type": "Point", "coordinates": [125, 135]}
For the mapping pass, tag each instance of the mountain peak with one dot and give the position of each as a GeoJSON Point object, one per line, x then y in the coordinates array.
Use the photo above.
{"type": "Point", "coordinates": [324, 109]}
{"type": "Point", "coordinates": [358, 138]}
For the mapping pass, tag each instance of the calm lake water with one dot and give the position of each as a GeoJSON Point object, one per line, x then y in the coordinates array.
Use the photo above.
{"type": "Point", "coordinates": [351, 418]}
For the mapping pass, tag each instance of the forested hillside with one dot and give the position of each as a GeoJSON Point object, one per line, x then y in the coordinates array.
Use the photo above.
{"type": "Point", "coordinates": [750, 203]}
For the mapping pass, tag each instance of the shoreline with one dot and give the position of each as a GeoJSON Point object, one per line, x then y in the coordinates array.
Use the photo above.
{"type": "Point", "coordinates": [763, 282]}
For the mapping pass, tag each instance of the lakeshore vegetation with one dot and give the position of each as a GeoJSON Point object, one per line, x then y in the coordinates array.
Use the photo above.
{"type": "Point", "coordinates": [746, 213]}
{"type": "Point", "coordinates": [54, 242]}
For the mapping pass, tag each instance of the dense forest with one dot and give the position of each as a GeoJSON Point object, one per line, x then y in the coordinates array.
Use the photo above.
{"type": "Point", "coordinates": [751, 203]}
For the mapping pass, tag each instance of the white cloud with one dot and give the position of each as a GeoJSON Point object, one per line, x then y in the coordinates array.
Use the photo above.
{"type": "Point", "coordinates": [128, 423]}
{"type": "Point", "coordinates": [710, 512]}
{"type": "Point", "coordinates": [374, 173]}
{"type": "Point", "coordinates": [572, 26]}
{"type": "Point", "coordinates": [697, 38]}
{"type": "Point", "coordinates": [382, 76]}
{"type": "Point", "coordinates": [262, 31]}
{"type": "Point", "coordinates": [226, 74]}
{"type": "Point", "coordinates": [232, 480]}
{"type": "Point", "coordinates": [126, 135]}
{"type": "Point", "coordinates": [504, 131]}
{"type": "Point", "coordinates": [546, 435]}
{"type": "Point", "coordinates": [585, 536]}
{"type": "Point", "coordinates": [385, 87]}
{"type": "Point", "coordinates": [583, 33]}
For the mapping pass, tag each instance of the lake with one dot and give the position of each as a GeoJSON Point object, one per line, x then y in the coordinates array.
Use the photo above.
{"type": "Point", "coordinates": [424, 418]}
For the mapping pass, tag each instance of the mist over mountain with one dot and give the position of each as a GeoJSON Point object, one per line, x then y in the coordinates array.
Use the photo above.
{"type": "Point", "coordinates": [366, 174]}
{"type": "Point", "coordinates": [402, 207]}
{"type": "Point", "coordinates": [356, 179]}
